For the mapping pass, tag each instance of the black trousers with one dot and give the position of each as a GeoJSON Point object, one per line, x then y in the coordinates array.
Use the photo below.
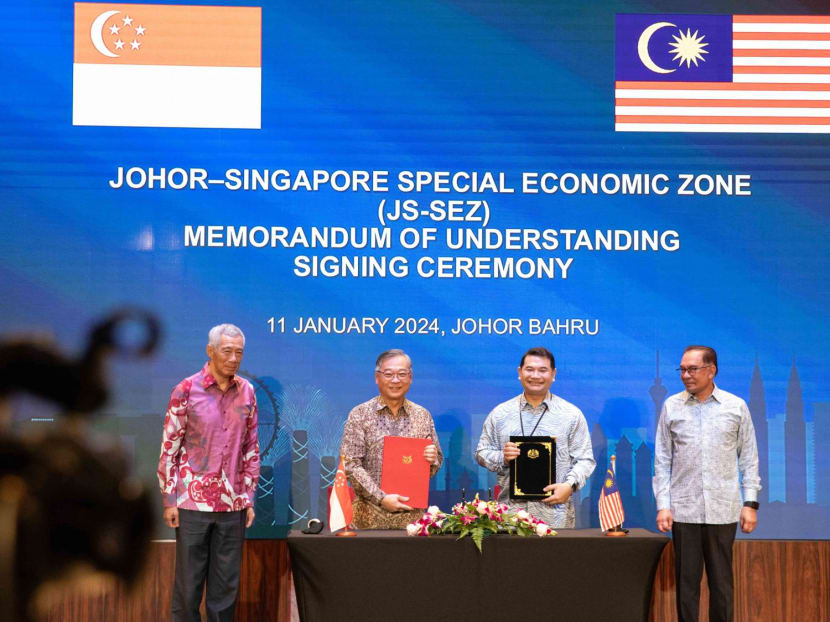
{"type": "Point", "coordinates": [694, 545]}
{"type": "Point", "coordinates": [208, 557]}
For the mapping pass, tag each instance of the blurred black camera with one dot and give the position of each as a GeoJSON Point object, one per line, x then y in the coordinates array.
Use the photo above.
{"type": "Point", "coordinates": [68, 508]}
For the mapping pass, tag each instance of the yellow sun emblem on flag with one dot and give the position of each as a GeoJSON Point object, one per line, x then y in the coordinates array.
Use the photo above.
{"type": "Point", "coordinates": [608, 483]}
{"type": "Point", "coordinates": [688, 47]}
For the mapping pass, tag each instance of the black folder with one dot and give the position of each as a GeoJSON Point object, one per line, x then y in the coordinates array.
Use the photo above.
{"type": "Point", "coordinates": [534, 468]}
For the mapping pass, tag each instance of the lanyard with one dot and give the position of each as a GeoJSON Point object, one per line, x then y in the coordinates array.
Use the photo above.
{"type": "Point", "coordinates": [521, 421]}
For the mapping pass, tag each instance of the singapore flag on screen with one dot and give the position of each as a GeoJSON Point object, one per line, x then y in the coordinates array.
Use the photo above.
{"type": "Point", "coordinates": [167, 66]}
{"type": "Point", "coordinates": [722, 73]}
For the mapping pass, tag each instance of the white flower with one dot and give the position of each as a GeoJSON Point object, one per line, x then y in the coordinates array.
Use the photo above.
{"type": "Point", "coordinates": [438, 523]}
{"type": "Point", "coordinates": [541, 529]}
{"type": "Point", "coordinates": [523, 514]}
{"type": "Point", "coordinates": [481, 507]}
{"type": "Point", "coordinates": [433, 510]}
{"type": "Point", "coordinates": [412, 530]}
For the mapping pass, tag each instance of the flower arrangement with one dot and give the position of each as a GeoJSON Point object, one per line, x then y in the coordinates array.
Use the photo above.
{"type": "Point", "coordinates": [478, 519]}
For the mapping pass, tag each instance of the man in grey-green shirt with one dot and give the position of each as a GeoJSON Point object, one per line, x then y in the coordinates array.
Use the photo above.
{"type": "Point", "coordinates": [538, 412]}
{"type": "Point", "coordinates": [705, 439]}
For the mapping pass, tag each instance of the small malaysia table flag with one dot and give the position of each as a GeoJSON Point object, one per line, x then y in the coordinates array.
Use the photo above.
{"type": "Point", "coordinates": [611, 513]}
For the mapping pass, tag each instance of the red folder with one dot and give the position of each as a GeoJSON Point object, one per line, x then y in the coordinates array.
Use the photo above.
{"type": "Point", "coordinates": [405, 470]}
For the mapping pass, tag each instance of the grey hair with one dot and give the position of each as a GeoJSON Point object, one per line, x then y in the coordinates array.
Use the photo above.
{"type": "Point", "coordinates": [391, 354]}
{"type": "Point", "coordinates": [229, 330]}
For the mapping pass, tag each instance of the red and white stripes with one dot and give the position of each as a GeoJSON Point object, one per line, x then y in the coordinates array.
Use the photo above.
{"type": "Point", "coordinates": [780, 83]}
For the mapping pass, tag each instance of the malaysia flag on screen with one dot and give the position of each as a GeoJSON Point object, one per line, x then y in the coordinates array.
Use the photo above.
{"type": "Point", "coordinates": [167, 66]}
{"type": "Point", "coordinates": [722, 73]}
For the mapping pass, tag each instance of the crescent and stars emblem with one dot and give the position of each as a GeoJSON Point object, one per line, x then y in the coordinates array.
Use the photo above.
{"type": "Point", "coordinates": [687, 47]}
{"type": "Point", "coordinates": [96, 34]}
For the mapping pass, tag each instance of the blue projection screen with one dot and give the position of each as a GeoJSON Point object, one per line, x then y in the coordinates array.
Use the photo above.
{"type": "Point", "coordinates": [463, 180]}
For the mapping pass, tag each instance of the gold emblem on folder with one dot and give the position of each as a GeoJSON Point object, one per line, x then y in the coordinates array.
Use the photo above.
{"type": "Point", "coordinates": [533, 454]}
{"type": "Point", "coordinates": [407, 459]}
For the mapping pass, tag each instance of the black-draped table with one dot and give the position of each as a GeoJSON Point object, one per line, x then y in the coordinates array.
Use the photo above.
{"type": "Point", "coordinates": [578, 575]}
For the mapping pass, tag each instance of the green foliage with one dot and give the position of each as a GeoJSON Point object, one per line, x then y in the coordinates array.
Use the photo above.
{"type": "Point", "coordinates": [478, 520]}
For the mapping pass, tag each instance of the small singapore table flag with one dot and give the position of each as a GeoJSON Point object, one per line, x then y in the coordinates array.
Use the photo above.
{"type": "Point", "coordinates": [340, 502]}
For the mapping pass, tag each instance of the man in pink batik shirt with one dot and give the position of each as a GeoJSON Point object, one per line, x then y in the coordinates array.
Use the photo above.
{"type": "Point", "coordinates": [208, 472]}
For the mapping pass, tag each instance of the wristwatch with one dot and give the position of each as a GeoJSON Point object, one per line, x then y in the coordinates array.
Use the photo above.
{"type": "Point", "coordinates": [752, 504]}
{"type": "Point", "coordinates": [573, 487]}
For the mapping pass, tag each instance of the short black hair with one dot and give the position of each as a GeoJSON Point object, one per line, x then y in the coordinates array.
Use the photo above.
{"type": "Point", "coordinates": [710, 357]}
{"type": "Point", "coordinates": [541, 352]}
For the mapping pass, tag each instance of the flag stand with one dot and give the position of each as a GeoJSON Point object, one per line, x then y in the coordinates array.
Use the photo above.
{"type": "Point", "coordinates": [347, 532]}
{"type": "Point", "coordinates": [616, 531]}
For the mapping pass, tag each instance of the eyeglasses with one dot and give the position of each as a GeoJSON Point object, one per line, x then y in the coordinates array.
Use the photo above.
{"type": "Point", "coordinates": [691, 370]}
{"type": "Point", "coordinates": [402, 374]}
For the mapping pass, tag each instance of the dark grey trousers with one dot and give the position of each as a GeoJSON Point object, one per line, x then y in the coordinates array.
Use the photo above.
{"type": "Point", "coordinates": [694, 545]}
{"type": "Point", "coordinates": [208, 555]}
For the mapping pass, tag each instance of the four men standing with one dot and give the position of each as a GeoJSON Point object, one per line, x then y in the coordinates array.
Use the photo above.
{"type": "Point", "coordinates": [209, 467]}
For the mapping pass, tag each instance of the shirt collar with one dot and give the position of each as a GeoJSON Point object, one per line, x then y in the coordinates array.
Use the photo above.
{"type": "Point", "coordinates": [716, 395]}
{"type": "Point", "coordinates": [403, 410]}
{"type": "Point", "coordinates": [548, 401]}
{"type": "Point", "coordinates": [208, 379]}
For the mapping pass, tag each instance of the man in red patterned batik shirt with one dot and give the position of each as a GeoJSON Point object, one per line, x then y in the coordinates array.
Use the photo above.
{"type": "Point", "coordinates": [208, 472]}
